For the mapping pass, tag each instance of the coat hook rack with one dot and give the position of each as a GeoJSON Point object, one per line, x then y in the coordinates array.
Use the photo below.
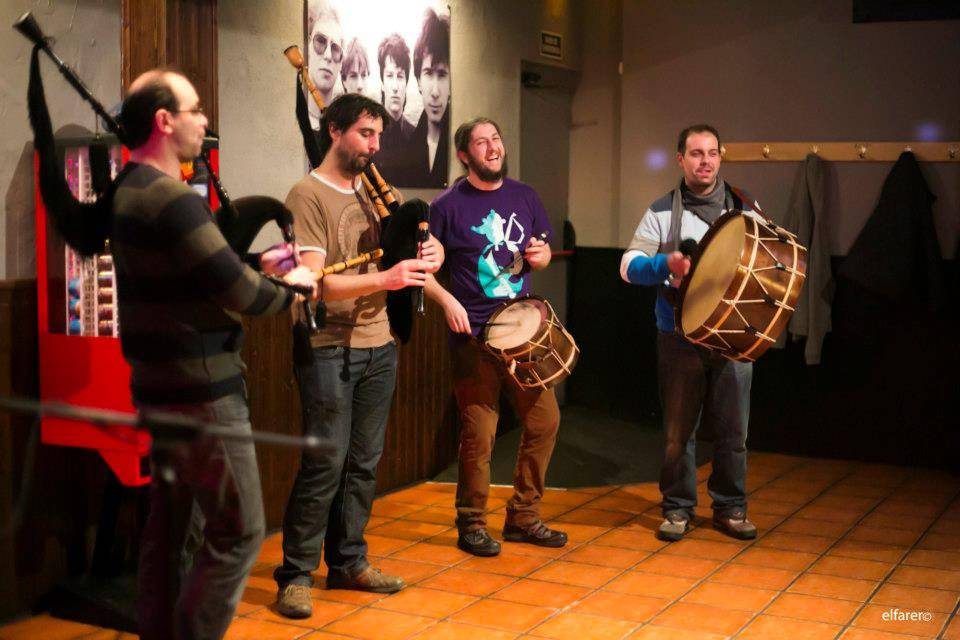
{"type": "Point", "coordinates": [839, 151]}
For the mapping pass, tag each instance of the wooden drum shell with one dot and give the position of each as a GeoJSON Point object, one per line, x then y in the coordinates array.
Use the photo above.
{"type": "Point", "coordinates": [543, 359]}
{"type": "Point", "coordinates": [768, 273]}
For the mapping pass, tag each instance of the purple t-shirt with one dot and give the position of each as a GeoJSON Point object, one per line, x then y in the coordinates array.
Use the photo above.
{"type": "Point", "coordinates": [484, 234]}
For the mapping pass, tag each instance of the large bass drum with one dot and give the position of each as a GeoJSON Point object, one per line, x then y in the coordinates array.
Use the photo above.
{"type": "Point", "coordinates": [743, 286]}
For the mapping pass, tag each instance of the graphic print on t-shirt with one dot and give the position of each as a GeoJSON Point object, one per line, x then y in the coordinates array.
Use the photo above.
{"type": "Point", "coordinates": [497, 281]}
{"type": "Point", "coordinates": [357, 232]}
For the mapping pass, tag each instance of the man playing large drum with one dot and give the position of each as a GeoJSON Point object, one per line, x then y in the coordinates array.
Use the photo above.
{"type": "Point", "coordinates": [493, 231]}
{"type": "Point", "coordinates": [695, 383]}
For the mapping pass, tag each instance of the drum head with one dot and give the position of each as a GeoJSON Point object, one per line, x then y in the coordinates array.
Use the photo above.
{"type": "Point", "coordinates": [516, 323]}
{"type": "Point", "coordinates": [714, 272]}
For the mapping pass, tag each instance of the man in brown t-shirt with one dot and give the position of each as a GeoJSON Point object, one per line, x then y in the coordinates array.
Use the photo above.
{"type": "Point", "coordinates": [346, 389]}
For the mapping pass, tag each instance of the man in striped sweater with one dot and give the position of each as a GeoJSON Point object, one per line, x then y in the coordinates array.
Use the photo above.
{"type": "Point", "coordinates": [695, 383]}
{"type": "Point", "coordinates": [181, 290]}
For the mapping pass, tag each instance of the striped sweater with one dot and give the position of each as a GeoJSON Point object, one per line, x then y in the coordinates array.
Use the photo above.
{"type": "Point", "coordinates": [181, 290]}
{"type": "Point", "coordinates": [645, 260]}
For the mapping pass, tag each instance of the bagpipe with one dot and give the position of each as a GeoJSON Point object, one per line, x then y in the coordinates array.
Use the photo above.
{"type": "Point", "coordinates": [85, 226]}
{"type": "Point", "coordinates": [403, 226]}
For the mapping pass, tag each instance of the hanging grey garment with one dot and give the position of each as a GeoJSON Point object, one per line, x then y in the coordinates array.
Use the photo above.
{"type": "Point", "coordinates": [805, 217]}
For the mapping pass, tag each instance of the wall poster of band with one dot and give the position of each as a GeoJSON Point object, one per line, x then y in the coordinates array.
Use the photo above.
{"type": "Point", "coordinates": [397, 53]}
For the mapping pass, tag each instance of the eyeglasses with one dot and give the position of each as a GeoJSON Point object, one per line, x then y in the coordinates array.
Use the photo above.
{"type": "Point", "coordinates": [320, 43]}
{"type": "Point", "coordinates": [198, 110]}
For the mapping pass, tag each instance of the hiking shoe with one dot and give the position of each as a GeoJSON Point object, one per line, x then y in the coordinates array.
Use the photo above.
{"type": "Point", "coordinates": [673, 527]}
{"type": "Point", "coordinates": [735, 525]}
{"type": "Point", "coordinates": [537, 533]}
{"type": "Point", "coordinates": [369, 579]}
{"type": "Point", "coordinates": [293, 601]}
{"type": "Point", "coordinates": [479, 543]}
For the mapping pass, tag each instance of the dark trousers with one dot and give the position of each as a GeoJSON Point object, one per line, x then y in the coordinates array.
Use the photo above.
{"type": "Point", "coordinates": [700, 386]}
{"type": "Point", "coordinates": [345, 394]}
{"type": "Point", "coordinates": [217, 481]}
{"type": "Point", "coordinates": [478, 378]}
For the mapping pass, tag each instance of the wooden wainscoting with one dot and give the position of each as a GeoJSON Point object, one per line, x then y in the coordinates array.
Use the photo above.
{"type": "Point", "coordinates": [52, 538]}
{"type": "Point", "coordinates": [422, 431]}
{"type": "Point", "coordinates": [177, 33]}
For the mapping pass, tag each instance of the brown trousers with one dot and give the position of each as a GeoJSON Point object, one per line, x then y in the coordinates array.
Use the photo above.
{"type": "Point", "coordinates": [478, 379]}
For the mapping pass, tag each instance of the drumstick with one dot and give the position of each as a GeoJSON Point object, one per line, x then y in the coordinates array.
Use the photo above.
{"type": "Point", "coordinates": [500, 323]}
{"type": "Point", "coordinates": [517, 259]}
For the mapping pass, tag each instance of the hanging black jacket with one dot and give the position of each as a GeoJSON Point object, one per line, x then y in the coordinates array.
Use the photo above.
{"type": "Point", "coordinates": [896, 255]}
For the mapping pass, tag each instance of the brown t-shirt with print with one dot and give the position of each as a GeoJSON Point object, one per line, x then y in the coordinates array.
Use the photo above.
{"type": "Point", "coordinates": [341, 224]}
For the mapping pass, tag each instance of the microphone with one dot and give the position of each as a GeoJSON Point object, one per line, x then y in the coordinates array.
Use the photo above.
{"type": "Point", "coordinates": [690, 248]}
{"type": "Point", "coordinates": [423, 234]}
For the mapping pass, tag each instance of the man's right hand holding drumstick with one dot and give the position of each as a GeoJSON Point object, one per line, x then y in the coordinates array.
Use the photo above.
{"type": "Point", "coordinates": [679, 266]}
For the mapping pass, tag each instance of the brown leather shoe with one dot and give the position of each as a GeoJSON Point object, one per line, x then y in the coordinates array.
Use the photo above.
{"type": "Point", "coordinates": [369, 579]}
{"type": "Point", "coordinates": [735, 525]}
{"type": "Point", "coordinates": [293, 601]}
{"type": "Point", "coordinates": [537, 533]}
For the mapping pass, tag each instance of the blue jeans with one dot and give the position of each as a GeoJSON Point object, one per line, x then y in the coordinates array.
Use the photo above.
{"type": "Point", "coordinates": [216, 486]}
{"type": "Point", "coordinates": [698, 385]}
{"type": "Point", "coordinates": [345, 394]}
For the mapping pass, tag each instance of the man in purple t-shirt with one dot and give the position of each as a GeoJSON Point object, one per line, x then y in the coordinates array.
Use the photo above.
{"type": "Point", "coordinates": [494, 231]}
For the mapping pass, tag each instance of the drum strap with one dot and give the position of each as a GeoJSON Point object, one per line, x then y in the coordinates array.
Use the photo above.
{"type": "Point", "coordinates": [743, 198]}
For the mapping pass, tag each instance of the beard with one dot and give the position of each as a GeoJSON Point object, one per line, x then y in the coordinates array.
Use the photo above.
{"type": "Point", "coordinates": [485, 174]}
{"type": "Point", "coordinates": [355, 164]}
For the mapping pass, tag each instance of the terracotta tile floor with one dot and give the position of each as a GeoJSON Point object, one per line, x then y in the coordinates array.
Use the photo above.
{"type": "Point", "coordinates": [846, 550]}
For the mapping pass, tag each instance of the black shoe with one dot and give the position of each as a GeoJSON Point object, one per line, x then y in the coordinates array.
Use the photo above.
{"type": "Point", "coordinates": [537, 533]}
{"type": "Point", "coordinates": [479, 543]}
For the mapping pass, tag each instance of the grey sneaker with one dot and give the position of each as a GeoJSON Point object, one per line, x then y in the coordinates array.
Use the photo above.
{"type": "Point", "coordinates": [369, 579]}
{"type": "Point", "coordinates": [735, 525]}
{"type": "Point", "coordinates": [293, 601]}
{"type": "Point", "coordinates": [673, 527]}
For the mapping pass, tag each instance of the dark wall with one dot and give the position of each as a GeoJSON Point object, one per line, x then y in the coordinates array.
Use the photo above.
{"type": "Point", "coordinates": [614, 327]}
{"type": "Point", "coordinates": [886, 390]}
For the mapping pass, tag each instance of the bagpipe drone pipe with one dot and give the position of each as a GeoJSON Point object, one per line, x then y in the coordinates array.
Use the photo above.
{"type": "Point", "coordinates": [403, 226]}
{"type": "Point", "coordinates": [86, 226]}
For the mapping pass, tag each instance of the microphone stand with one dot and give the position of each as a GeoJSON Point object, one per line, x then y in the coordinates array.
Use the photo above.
{"type": "Point", "coordinates": [157, 422]}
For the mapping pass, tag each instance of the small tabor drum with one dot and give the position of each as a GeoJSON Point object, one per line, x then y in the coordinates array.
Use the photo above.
{"type": "Point", "coordinates": [743, 287]}
{"type": "Point", "coordinates": [527, 336]}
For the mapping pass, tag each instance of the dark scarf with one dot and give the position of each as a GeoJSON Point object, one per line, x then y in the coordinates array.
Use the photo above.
{"type": "Point", "coordinates": [706, 207]}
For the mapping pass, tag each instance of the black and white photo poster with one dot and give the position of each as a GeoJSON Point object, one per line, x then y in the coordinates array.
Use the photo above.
{"type": "Point", "coordinates": [397, 53]}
